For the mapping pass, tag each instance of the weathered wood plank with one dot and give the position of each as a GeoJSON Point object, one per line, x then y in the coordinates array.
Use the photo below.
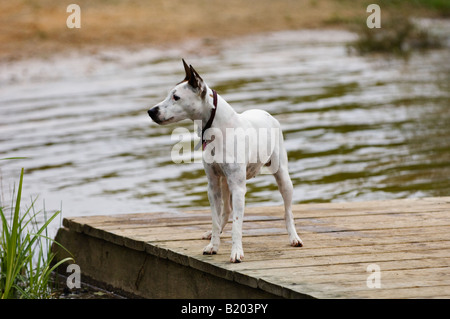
{"type": "Point", "coordinates": [357, 267]}
{"type": "Point", "coordinates": [276, 256]}
{"type": "Point", "coordinates": [330, 290]}
{"type": "Point", "coordinates": [408, 235]}
{"type": "Point", "coordinates": [424, 219]}
{"type": "Point", "coordinates": [256, 228]}
{"type": "Point", "coordinates": [427, 205]}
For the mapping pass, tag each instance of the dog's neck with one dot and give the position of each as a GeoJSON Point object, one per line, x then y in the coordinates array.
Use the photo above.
{"type": "Point", "coordinates": [224, 112]}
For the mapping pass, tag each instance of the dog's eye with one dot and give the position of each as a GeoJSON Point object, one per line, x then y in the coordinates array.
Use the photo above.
{"type": "Point", "coordinates": [176, 97]}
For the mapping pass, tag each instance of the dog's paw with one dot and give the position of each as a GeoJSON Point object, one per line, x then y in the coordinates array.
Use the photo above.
{"type": "Point", "coordinates": [210, 250]}
{"type": "Point", "coordinates": [237, 254]}
{"type": "Point", "coordinates": [296, 241]}
{"type": "Point", "coordinates": [207, 235]}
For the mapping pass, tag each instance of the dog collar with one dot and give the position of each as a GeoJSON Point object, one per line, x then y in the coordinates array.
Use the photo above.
{"type": "Point", "coordinates": [211, 119]}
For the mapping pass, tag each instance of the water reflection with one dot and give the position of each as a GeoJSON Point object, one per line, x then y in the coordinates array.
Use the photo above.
{"type": "Point", "coordinates": [356, 128]}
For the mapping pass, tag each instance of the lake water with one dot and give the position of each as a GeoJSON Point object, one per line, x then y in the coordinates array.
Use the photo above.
{"type": "Point", "coordinates": [356, 128]}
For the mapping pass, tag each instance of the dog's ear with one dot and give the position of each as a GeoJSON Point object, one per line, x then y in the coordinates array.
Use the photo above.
{"type": "Point", "coordinates": [187, 70]}
{"type": "Point", "coordinates": [196, 82]}
{"type": "Point", "coordinates": [194, 79]}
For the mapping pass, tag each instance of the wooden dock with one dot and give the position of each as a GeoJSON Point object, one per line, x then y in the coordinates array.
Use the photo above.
{"type": "Point", "coordinates": [159, 255]}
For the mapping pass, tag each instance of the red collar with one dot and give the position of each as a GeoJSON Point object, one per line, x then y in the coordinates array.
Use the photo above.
{"type": "Point", "coordinates": [211, 119]}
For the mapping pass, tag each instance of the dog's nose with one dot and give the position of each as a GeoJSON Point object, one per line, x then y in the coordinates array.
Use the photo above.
{"type": "Point", "coordinates": [153, 112]}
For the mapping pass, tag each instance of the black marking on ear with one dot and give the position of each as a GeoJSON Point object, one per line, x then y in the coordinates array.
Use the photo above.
{"type": "Point", "coordinates": [199, 83]}
{"type": "Point", "coordinates": [193, 80]}
{"type": "Point", "coordinates": [195, 73]}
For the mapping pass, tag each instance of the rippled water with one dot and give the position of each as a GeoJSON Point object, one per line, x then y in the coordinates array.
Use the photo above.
{"type": "Point", "coordinates": [356, 128]}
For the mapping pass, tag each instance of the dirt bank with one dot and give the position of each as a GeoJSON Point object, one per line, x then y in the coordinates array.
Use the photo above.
{"type": "Point", "coordinates": [38, 28]}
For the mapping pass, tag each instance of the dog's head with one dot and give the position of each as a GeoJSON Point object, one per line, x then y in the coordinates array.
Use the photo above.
{"type": "Point", "coordinates": [185, 100]}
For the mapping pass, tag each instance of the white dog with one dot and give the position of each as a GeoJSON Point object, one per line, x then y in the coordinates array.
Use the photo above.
{"type": "Point", "coordinates": [226, 169]}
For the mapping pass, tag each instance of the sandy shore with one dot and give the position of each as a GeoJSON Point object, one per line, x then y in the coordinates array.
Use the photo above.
{"type": "Point", "coordinates": [38, 28]}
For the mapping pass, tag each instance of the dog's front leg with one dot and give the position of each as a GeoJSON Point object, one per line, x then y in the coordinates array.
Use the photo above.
{"type": "Point", "coordinates": [215, 200]}
{"type": "Point", "coordinates": [238, 188]}
{"type": "Point", "coordinates": [226, 209]}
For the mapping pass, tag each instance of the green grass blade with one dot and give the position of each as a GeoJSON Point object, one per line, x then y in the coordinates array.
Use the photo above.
{"type": "Point", "coordinates": [12, 244]}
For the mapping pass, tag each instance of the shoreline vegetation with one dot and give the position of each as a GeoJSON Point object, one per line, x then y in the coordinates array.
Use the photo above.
{"type": "Point", "coordinates": [32, 28]}
{"type": "Point", "coordinates": [25, 251]}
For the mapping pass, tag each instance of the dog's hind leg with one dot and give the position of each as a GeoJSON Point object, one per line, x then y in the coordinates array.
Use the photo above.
{"type": "Point", "coordinates": [286, 189]}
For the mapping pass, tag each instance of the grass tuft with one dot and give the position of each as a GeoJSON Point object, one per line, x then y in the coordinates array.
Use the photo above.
{"type": "Point", "coordinates": [25, 251]}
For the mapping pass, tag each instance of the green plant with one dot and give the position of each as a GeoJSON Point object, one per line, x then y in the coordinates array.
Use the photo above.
{"type": "Point", "coordinates": [25, 255]}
